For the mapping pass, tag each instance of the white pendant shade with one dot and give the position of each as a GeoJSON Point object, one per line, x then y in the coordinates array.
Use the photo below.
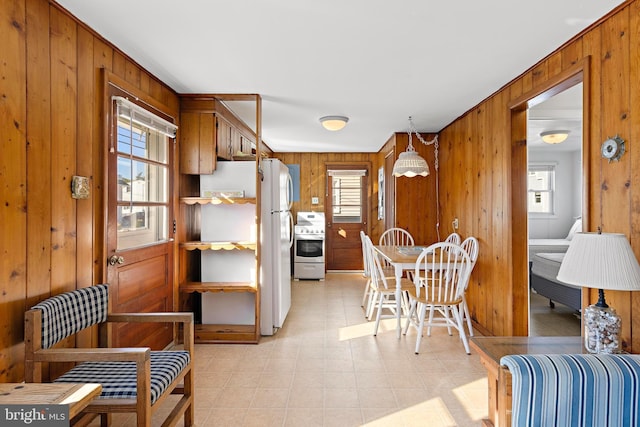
{"type": "Point", "coordinates": [601, 261]}
{"type": "Point", "coordinates": [410, 164]}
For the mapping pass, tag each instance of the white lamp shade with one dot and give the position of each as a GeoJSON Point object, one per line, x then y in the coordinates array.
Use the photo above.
{"type": "Point", "coordinates": [601, 261]}
{"type": "Point", "coordinates": [410, 164]}
{"type": "Point", "coordinates": [334, 123]}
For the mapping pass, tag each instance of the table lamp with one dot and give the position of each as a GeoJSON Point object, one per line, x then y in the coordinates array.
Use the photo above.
{"type": "Point", "coordinates": [604, 261]}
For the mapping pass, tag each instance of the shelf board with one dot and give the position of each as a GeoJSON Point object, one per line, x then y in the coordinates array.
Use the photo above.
{"type": "Point", "coordinates": [191, 287]}
{"type": "Point", "coordinates": [241, 334]}
{"type": "Point", "coordinates": [217, 200]}
{"type": "Point", "coordinates": [217, 246]}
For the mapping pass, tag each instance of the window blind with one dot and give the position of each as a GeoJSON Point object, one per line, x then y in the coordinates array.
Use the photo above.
{"type": "Point", "coordinates": [137, 114]}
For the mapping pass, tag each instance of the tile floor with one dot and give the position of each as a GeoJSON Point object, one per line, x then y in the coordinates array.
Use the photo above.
{"type": "Point", "coordinates": [325, 368]}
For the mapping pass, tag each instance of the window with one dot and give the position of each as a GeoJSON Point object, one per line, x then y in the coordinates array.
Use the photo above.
{"type": "Point", "coordinates": [143, 176]}
{"type": "Point", "coordinates": [541, 190]}
{"type": "Point", "coordinates": [346, 190]}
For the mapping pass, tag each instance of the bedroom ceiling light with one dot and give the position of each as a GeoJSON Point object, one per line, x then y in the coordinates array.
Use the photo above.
{"type": "Point", "coordinates": [554, 136]}
{"type": "Point", "coordinates": [410, 163]}
{"type": "Point", "coordinates": [334, 123]}
{"type": "Point", "coordinates": [603, 261]}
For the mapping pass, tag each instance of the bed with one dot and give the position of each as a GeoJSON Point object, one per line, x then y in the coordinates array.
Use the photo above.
{"type": "Point", "coordinates": [553, 245]}
{"type": "Point", "coordinates": [544, 269]}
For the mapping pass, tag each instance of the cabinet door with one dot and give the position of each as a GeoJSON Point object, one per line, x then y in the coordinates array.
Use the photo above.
{"type": "Point", "coordinates": [197, 143]}
{"type": "Point", "coordinates": [246, 145]}
{"type": "Point", "coordinates": [224, 130]}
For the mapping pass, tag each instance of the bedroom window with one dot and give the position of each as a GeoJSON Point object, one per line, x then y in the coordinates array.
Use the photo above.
{"type": "Point", "coordinates": [541, 190]}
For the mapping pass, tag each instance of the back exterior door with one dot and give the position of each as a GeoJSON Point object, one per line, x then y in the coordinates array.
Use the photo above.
{"type": "Point", "coordinates": [346, 215]}
{"type": "Point", "coordinates": [139, 221]}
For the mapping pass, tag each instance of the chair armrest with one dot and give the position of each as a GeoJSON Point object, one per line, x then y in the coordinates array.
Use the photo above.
{"type": "Point", "coordinates": [124, 354]}
{"type": "Point", "coordinates": [180, 317]}
{"type": "Point", "coordinates": [186, 318]}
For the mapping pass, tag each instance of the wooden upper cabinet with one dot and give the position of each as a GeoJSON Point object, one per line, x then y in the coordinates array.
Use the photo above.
{"type": "Point", "coordinates": [224, 133]}
{"type": "Point", "coordinates": [209, 131]}
{"type": "Point", "coordinates": [197, 143]}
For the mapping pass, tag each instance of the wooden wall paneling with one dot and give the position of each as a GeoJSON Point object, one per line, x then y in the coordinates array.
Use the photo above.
{"type": "Point", "coordinates": [634, 82]}
{"type": "Point", "coordinates": [616, 189]}
{"type": "Point", "coordinates": [64, 146]}
{"type": "Point", "coordinates": [84, 167]}
{"type": "Point", "coordinates": [317, 182]}
{"type": "Point", "coordinates": [554, 64]}
{"type": "Point", "coordinates": [468, 216]}
{"type": "Point", "coordinates": [479, 296]}
{"type": "Point", "coordinates": [500, 321]}
{"type": "Point", "coordinates": [446, 143]}
{"type": "Point", "coordinates": [84, 160]}
{"type": "Point", "coordinates": [525, 82]}
{"type": "Point", "coordinates": [102, 61]}
{"type": "Point", "coordinates": [519, 245]}
{"type": "Point", "coordinates": [475, 171]}
{"type": "Point", "coordinates": [13, 188]}
{"type": "Point", "coordinates": [307, 177]}
{"type": "Point", "coordinates": [189, 129]}
{"type": "Point", "coordinates": [132, 73]}
{"type": "Point", "coordinates": [38, 152]}
{"type": "Point", "coordinates": [539, 73]}
{"type": "Point", "coordinates": [591, 43]}
{"type": "Point", "coordinates": [145, 81]}
{"type": "Point", "coordinates": [119, 64]}
{"type": "Point", "coordinates": [572, 53]}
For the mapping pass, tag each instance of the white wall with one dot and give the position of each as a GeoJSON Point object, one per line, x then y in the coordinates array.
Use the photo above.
{"type": "Point", "coordinates": [568, 194]}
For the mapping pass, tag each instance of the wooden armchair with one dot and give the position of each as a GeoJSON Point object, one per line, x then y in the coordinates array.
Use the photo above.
{"type": "Point", "coordinates": [133, 379]}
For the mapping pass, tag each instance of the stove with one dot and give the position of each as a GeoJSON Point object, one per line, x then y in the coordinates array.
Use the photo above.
{"type": "Point", "coordinates": [308, 248]}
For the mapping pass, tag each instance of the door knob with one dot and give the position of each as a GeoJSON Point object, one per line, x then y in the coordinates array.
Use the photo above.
{"type": "Point", "coordinates": [115, 259]}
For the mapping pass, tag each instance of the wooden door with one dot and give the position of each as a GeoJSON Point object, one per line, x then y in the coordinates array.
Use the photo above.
{"type": "Point", "coordinates": [346, 213]}
{"type": "Point", "coordinates": [140, 224]}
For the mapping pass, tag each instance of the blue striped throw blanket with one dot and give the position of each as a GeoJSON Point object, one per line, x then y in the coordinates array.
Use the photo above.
{"type": "Point", "coordinates": [575, 389]}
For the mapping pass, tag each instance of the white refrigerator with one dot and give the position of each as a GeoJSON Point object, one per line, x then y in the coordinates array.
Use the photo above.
{"type": "Point", "coordinates": [276, 241]}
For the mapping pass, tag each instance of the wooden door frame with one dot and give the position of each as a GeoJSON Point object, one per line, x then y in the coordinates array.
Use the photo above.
{"type": "Point", "coordinates": [109, 81]}
{"type": "Point", "coordinates": [366, 165]}
{"type": "Point", "coordinates": [577, 73]}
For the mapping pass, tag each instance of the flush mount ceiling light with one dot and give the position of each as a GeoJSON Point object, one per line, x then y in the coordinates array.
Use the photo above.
{"type": "Point", "coordinates": [334, 123]}
{"type": "Point", "coordinates": [554, 136]}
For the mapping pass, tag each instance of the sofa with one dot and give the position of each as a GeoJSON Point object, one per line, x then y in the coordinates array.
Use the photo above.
{"type": "Point", "coordinates": [574, 389]}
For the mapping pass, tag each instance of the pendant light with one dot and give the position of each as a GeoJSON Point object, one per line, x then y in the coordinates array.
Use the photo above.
{"type": "Point", "coordinates": [410, 163]}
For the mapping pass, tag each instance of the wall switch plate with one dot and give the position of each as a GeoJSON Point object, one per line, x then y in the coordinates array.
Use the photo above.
{"type": "Point", "coordinates": [314, 201]}
{"type": "Point", "coordinates": [455, 223]}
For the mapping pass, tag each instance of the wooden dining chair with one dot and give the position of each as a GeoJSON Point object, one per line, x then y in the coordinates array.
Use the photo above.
{"type": "Point", "coordinates": [453, 238]}
{"type": "Point", "coordinates": [440, 279]}
{"type": "Point", "coordinates": [396, 237]}
{"type": "Point", "coordinates": [471, 246]}
{"type": "Point", "coordinates": [383, 287]}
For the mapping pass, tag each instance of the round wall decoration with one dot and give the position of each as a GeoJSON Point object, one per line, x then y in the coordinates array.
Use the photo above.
{"type": "Point", "coordinates": [613, 148]}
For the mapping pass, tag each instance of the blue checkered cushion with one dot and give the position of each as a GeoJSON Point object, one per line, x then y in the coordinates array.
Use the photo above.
{"type": "Point", "coordinates": [68, 313]}
{"type": "Point", "coordinates": [575, 389]}
{"type": "Point", "coordinates": [118, 379]}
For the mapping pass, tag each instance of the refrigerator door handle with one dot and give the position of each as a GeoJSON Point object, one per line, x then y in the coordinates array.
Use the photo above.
{"type": "Point", "coordinates": [290, 228]}
{"type": "Point", "coordinates": [289, 192]}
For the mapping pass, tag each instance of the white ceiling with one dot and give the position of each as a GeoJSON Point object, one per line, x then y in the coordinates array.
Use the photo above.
{"type": "Point", "coordinates": [561, 112]}
{"type": "Point", "coordinates": [375, 61]}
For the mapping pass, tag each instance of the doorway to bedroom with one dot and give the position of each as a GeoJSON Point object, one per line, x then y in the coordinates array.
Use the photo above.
{"type": "Point", "coordinates": [554, 209]}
